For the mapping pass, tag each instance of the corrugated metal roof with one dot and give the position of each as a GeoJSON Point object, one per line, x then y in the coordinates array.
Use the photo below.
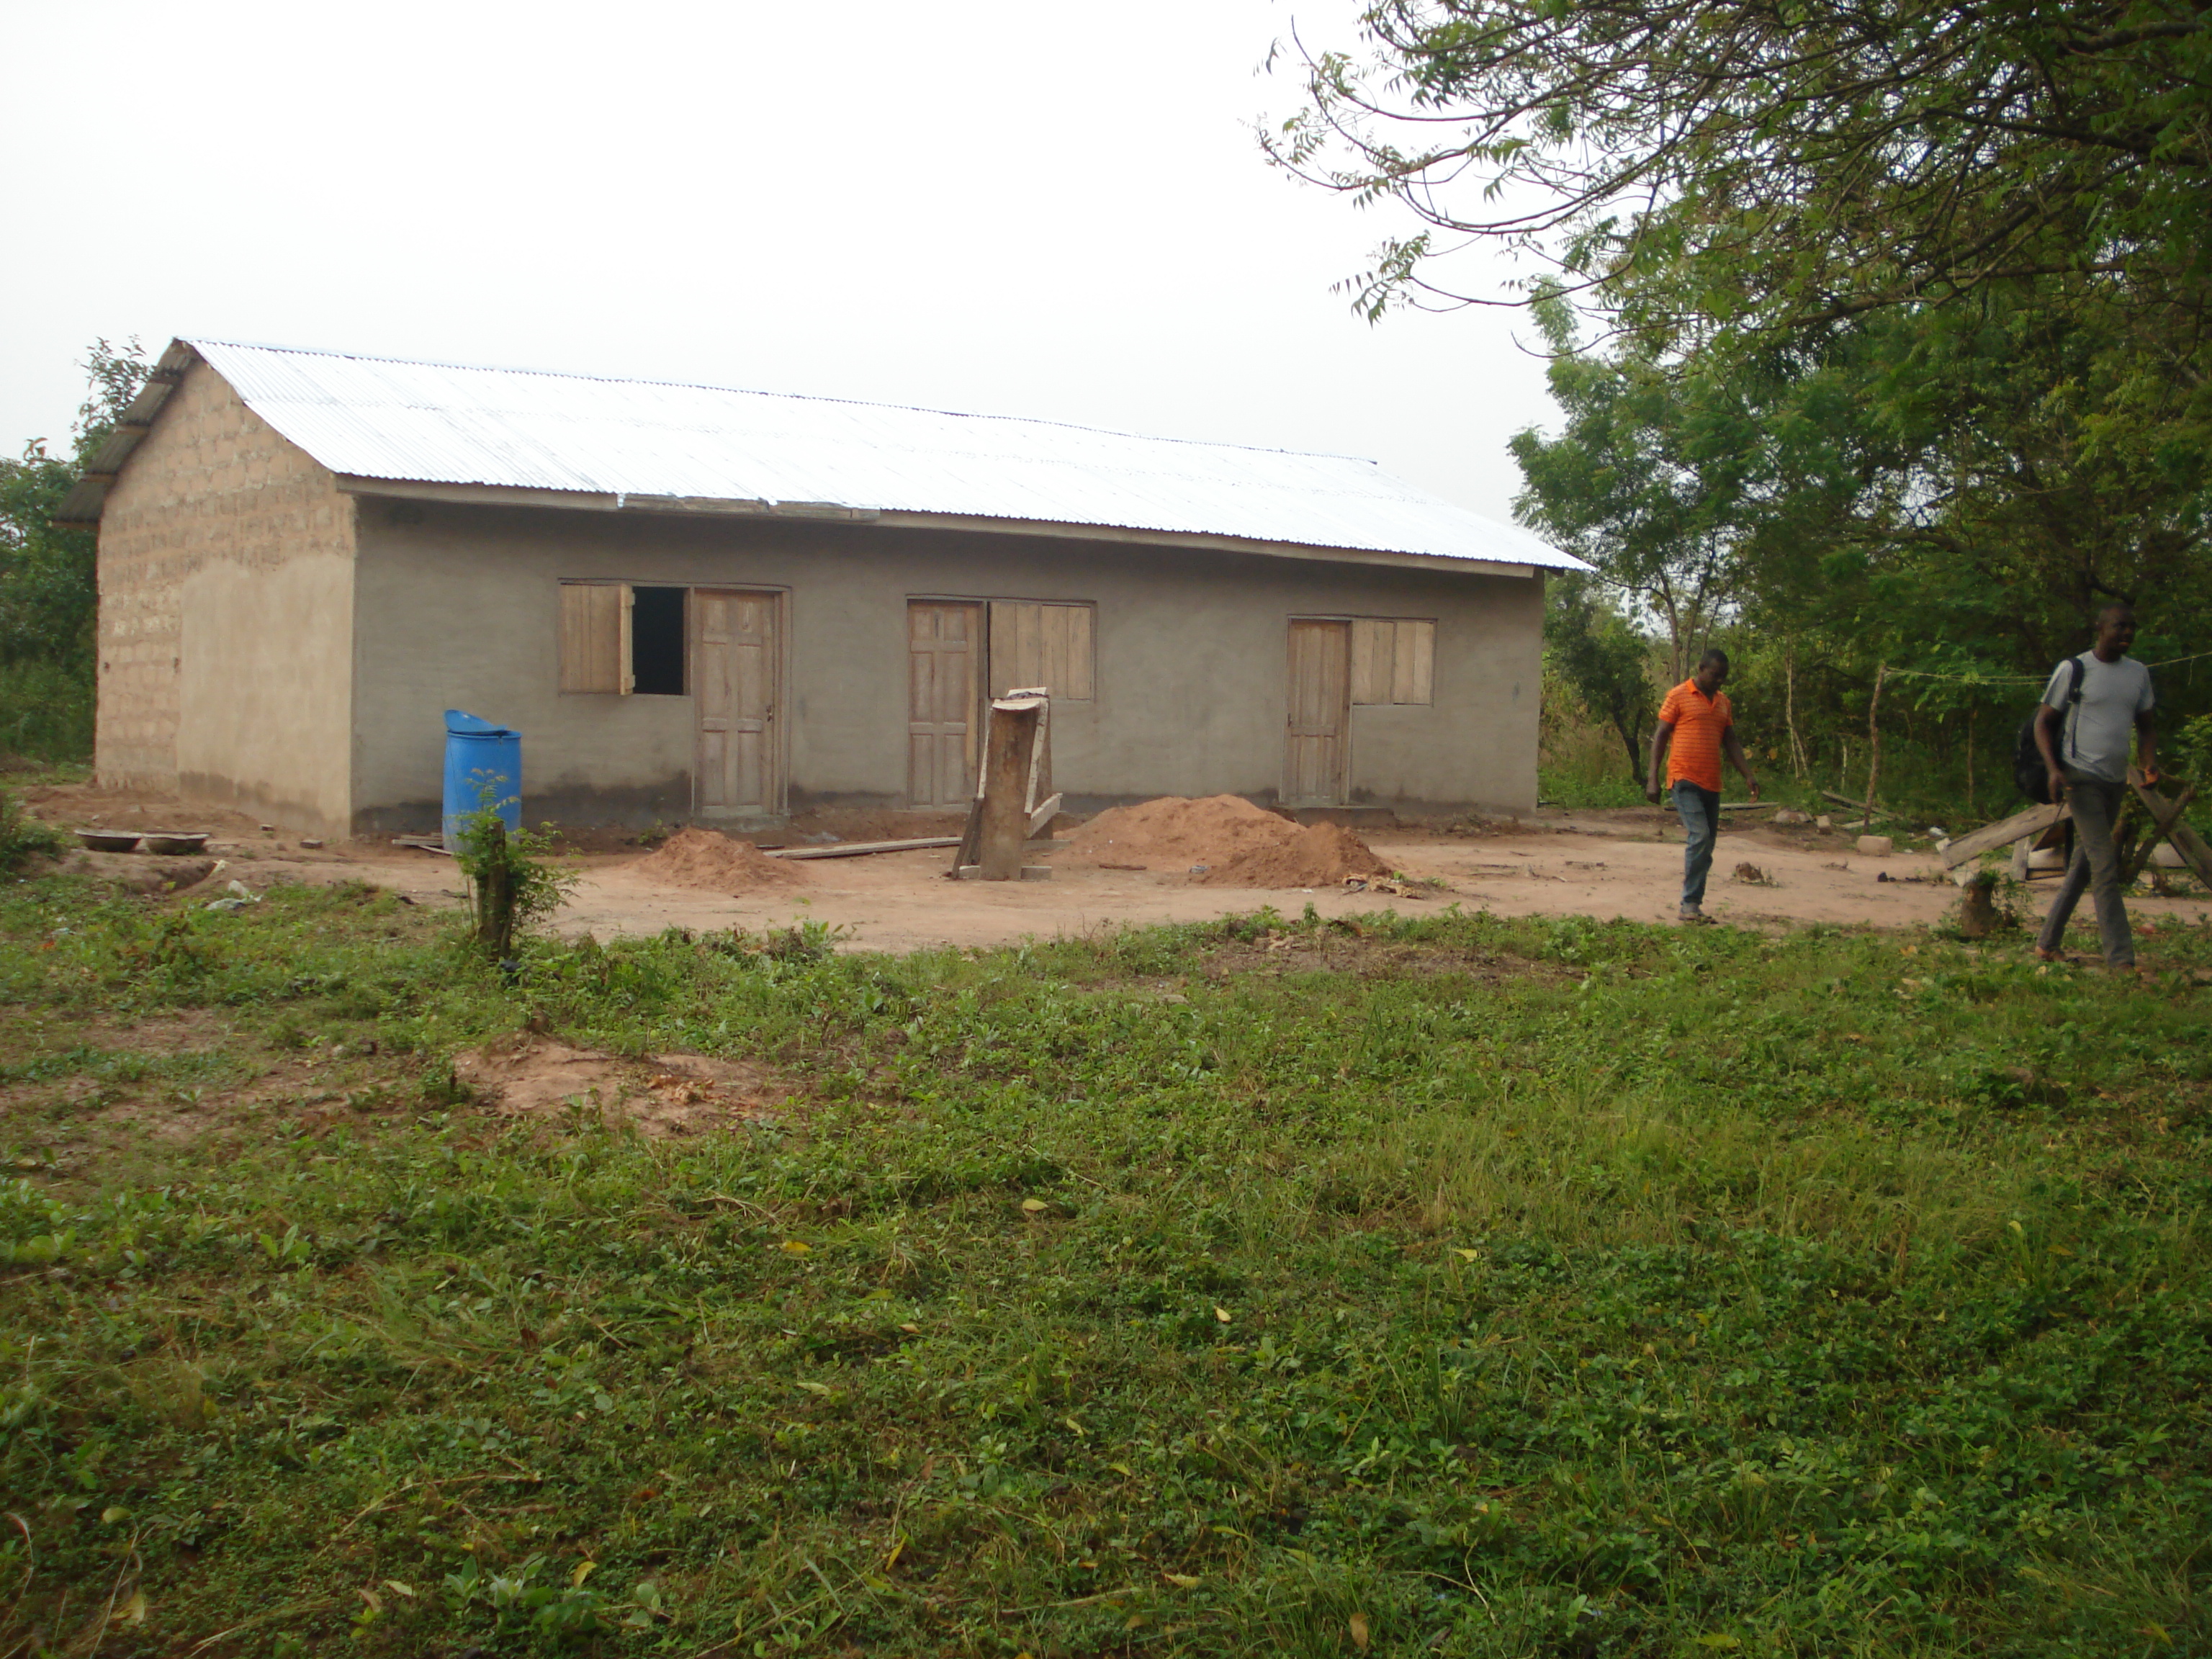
{"type": "Point", "coordinates": [431, 423]}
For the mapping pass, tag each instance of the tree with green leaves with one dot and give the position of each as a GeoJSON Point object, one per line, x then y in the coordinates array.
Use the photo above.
{"type": "Point", "coordinates": [49, 595]}
{"type": "Point", "coordinates": [1602, 660]}
{"type": "Point", "coordinates": [1635, 487]}
{"type": "Point", "coordinates": [1702, 166]}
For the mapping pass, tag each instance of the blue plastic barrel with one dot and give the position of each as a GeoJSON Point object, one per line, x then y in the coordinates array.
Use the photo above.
{"type": "Point", "coordinates": [479, 753]}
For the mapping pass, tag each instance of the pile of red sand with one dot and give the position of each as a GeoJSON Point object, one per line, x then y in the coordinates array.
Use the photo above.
{"type": "Point", "coordinates": [1319, 855]}
{"type": "Point", "coordinates": [694, 857]}
{"type": "Point", "coordinates": [1240, 845]}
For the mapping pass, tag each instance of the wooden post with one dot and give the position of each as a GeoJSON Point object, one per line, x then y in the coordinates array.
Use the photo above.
{"type": "Point", "coordinates": [1008, 747]}
{"type": "Point", "coordinates": [1799, 763]}
{"type": "Point", "coordinates": [1970, 762]}
{"type": "Point", "coordinates": [1873, 740]}
{"type": "Point", "coordinates": [1978, 911]}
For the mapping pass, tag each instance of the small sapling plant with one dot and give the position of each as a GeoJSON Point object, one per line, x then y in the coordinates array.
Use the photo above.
{"type": "Point", "coordinates": [511, 886]}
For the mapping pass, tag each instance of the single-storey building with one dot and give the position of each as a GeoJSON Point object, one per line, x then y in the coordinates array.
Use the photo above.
{"type": "Point", "coordinates": [701, 603]}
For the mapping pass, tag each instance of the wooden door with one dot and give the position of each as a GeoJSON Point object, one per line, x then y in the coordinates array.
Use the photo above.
{"type": "Point", "coordinates": [1320, 713]}
{"type": "Point", "coordinates": [945, 650]}
{"type": "Point", "coordinates": [734, 678]}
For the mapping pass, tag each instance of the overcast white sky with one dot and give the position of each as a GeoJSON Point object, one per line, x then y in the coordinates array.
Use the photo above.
{"type": "Point", "coordinates": [1018, 207]}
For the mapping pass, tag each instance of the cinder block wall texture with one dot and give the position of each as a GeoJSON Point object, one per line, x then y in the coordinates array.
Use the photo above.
{"type": "Point", "coordinates": [226, 615]}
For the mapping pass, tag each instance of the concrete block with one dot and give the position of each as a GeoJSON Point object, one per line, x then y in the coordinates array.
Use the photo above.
{"type": "Point", "coordinates": [1875, 846]}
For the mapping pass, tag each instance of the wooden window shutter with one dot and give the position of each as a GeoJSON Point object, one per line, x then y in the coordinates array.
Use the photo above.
{"type": "Point", "coordinates": [1373, 649]}
{"type": "Point", "coordinates": [1014, 646]}
{"type": "Point", "coordinates": [1046, 645]}
{"type": "Point", "coordinates": [1393, 660]}
{"type": "Point", "coordinates": [1413, 669]}
{"type": "Point", "coordinates": [595, 637]}
{"type": "Point", "coordinates": [1067, 649]}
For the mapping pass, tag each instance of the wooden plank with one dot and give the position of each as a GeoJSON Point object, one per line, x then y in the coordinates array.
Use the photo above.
{"type": "Point", "coordinates": [1373, 652]}
{"type": "Point", "coordinates": [1082, 655]}
{"type": "Point", "coordinates": [2131, 867]}
{"type": "Point", "coordinates": [593, 648]}
{"type": "Point", "coordinates": [1016, 646]}
{"type": "Point", "coordinates": [1052, 648]}
{"type": "Point", "coordinates": [1038, 784]}
{"type": "Point", "coordinates": [971, 838]}
{"type": "Point", "coordinates": [625, 636]}
{"type": "Point", "coordinates": [2176, 829]}
{"type": "Point", "coordinates": [1859, 806]}
{"type": "Point", "coordinates": [2004, 833]}
{"type": "Point", "coordinates": [1413, 680]}
{"type": "Point", "coordinates": [1047, 811]}
{"type": "Point", "coordinates": [854, 850]}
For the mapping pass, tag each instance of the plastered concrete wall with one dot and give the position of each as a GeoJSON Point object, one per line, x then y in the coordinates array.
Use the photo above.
{"type": "Point", "coordinates": [226, 616]}
{"type": "Point", "coordinates": [459, 607]}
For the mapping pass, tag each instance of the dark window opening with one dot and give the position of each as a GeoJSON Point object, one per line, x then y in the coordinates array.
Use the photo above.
{"type": "Point", "coordinates": [656, 641]}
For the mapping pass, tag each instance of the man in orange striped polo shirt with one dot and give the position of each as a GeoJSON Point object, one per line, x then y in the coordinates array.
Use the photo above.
{"type": "Point", "coordinates": [1696, 727]}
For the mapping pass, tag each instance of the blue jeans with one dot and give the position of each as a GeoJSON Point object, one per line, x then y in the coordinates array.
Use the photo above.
{"type": "Point", "coordinates": [1701, 826]}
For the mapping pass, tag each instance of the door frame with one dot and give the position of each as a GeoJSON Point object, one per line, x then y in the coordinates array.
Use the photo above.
{"type": "Point", "coordinates": [775, 790]}
{"type": "Point", "coordinates": [1344, 717]}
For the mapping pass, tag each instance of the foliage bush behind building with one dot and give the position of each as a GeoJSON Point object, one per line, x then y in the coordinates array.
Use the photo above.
{"type": "Point", "coordinates": [49, 594]}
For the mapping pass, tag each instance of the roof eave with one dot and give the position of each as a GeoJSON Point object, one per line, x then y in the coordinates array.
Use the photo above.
{"type": "Point", "coordinates": [87, 497]}
{"type": "Point", "coordinates": [831, 512]}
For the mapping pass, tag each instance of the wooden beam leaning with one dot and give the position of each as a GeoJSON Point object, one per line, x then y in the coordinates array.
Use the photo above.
{"type": "Point", "coordinates": [2002, 833]}
{"type": "Point", "coordinates": [1040, 780]}
{"type": "Point", "coordinates": [2166, 814]}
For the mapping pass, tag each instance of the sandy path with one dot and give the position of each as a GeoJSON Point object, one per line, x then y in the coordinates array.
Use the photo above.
{"type": "Point", "coordinates": [1624, 863]}
{"type": "Point", "coordinates": [901, 902]}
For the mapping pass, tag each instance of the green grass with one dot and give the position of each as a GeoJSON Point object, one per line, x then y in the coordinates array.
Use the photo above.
{"type": "Point", "coordinates": [1453, 1286]}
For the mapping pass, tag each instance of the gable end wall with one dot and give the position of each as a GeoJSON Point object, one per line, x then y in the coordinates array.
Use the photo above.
{"type": "Point", "coordinates": [226, 616]}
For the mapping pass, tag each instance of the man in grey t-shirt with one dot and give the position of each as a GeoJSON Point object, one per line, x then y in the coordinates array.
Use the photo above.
{"type": "Point", "coordinates": [2084, 744]}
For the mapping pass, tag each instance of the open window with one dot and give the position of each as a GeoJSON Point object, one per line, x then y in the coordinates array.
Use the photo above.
{"type": "Point", "coordinates": [1393, 660]}
{"type": "Point", "coordinates": [623, 640]}
{"type": "Point", "coordinates": [1048, 645]}
{"type": "Point", "coordinates": [656, 641]}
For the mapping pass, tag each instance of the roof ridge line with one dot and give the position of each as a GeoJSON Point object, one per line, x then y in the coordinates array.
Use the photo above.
{"type": "Point", "coordinates": [196, 341]}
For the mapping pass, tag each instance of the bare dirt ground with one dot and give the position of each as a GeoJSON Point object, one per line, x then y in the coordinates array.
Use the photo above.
{"type": "Point", "coordinates": [1621, 863]}
{"type": "Point", "coordinates": [664, 1094]}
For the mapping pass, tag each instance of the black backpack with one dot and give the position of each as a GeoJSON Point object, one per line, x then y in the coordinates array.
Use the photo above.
{"type": "Point", "coordinates": [2028, 771]}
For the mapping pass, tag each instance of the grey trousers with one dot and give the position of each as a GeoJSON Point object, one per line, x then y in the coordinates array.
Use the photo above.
{"type": "Point", "coordinates": [2095, 866]}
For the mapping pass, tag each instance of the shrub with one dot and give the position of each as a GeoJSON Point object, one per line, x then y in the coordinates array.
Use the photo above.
{"type": "Point", "coordinates": [22, 836]}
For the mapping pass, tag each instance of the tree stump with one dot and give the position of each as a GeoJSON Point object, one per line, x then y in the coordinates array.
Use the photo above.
{"type": "Point", "coordinates": [1978, 909]}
